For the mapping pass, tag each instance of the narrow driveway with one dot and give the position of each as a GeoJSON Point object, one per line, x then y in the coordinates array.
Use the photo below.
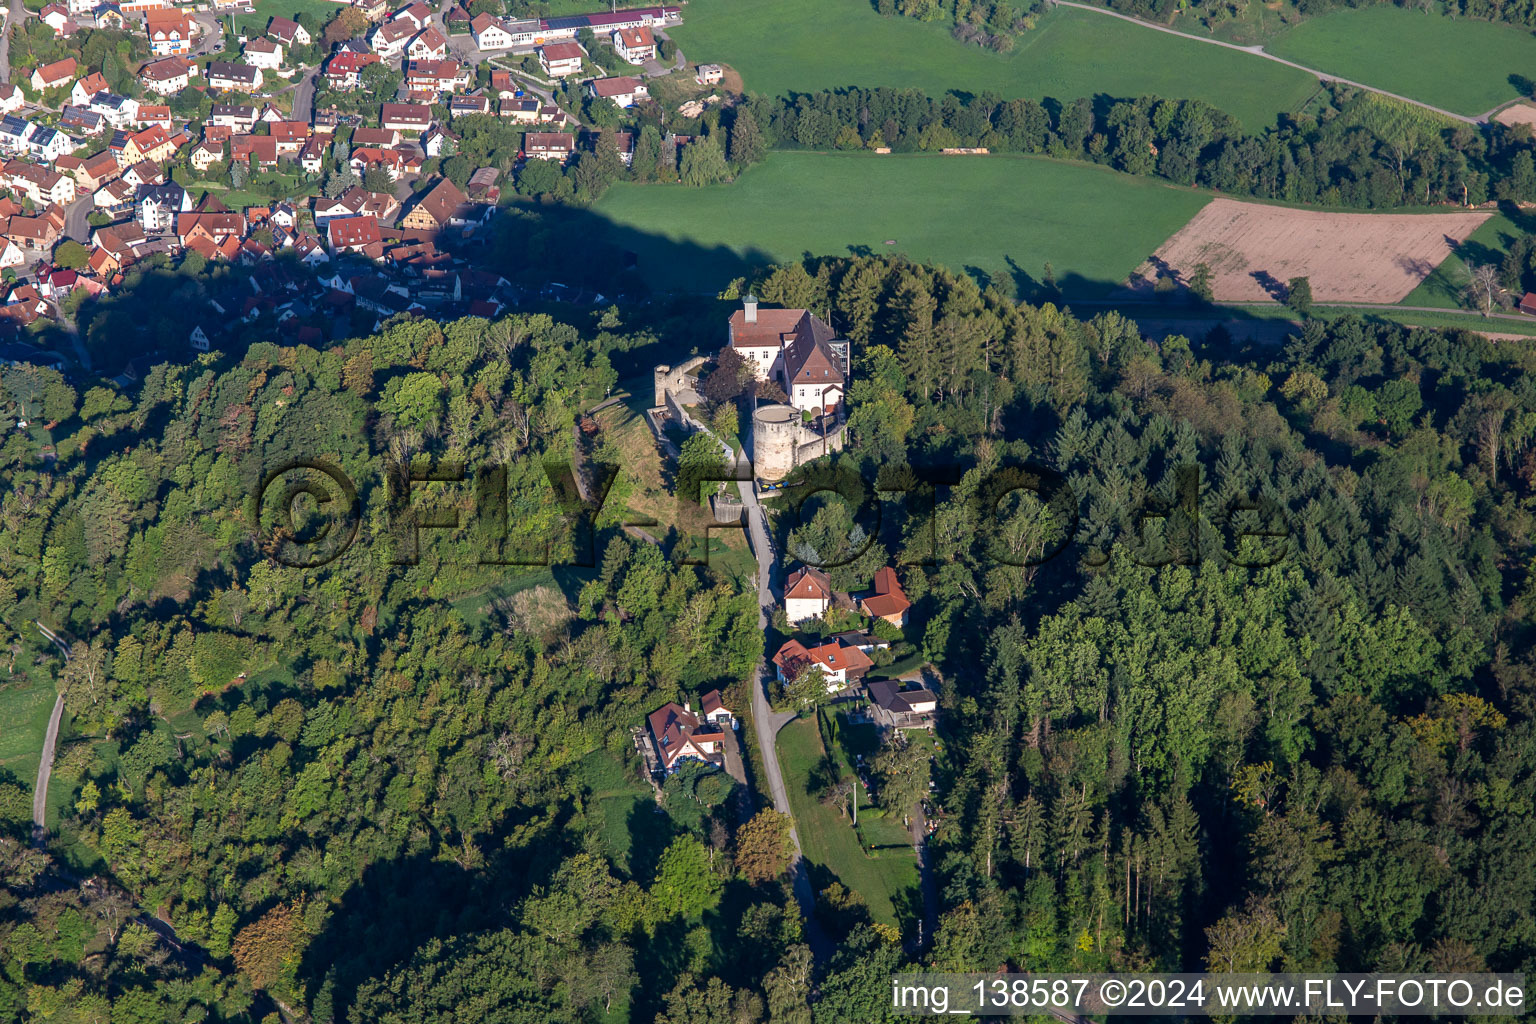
{"type": "Point", "coordinates": [16, 13]}
{"type": "Point", "coordinates": [76, 225]}
{"type": "Point", "coordinates": [1258, 51]}
{"type": "Point", "coordinates": [767, 722]}
{"type": "Point", "coordinates": [50, 741]}
{"type": "Point", "coordinates": [304, 96]}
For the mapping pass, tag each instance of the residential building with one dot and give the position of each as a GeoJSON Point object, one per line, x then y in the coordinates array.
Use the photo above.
{"type": "Point", "coordinates": [81, 92]}
{"type": "Point", "coordinates": [231, 77]}
{"type": "Point", "coordinates": [14, 133]}
{"type": "Point", "coordinates": [289, 32]}
{"type": "Point", "coordinates": [807, 594]}
{"type": "Point", "coordinates": [390, 39]}
{"type": "Point", "coordinates": [42, 185]}
{"type": "Point", "coordinates": [489, 33]}
{"type": "Point", "coordinates": [841, 666]}
{"type": "Point", "coordinates": [119, 111]}
{"type": "Point", "coordinates": [561, 59]}
{"type": "Point", "coordinates": [406, 117]}
{"type": "Point", "coordinates": [888, 601]}
{"type": "Point", "coordinates": [796, 347]}
{"type": "Point", "coordinates": [680, 736]}
{"type": "Point", "coordinates": [145, 172]}
{"type": "Point", "coordinates": [82, 120]}
{"type": "Point", "coordinates": [261, 148]}
{"type": "Point", "coordinates": [417, 14]}
{"type": "Point", "coordinates": [37, 234]}
{"type": "Point", "coordinates": [431, 44]}
{"type": "Point", "coordinates": [355, 202]}
{"type": "Point", "coordinates": [440, 207]}
{"type": "Point", "coordinates": [352, 234]}
{"type": "Point", "coordinates": [344, 70]}
{"type": "Point", "coordinates": [48, 144]}
{"type": "Point", "coordinates": [524, 111]}
{"type": "Point", "coordinates": [153, 114]}
{"type": "Point", "coordinates": [895, 708]}
{"type": "Point", "coordinates": [92, 172]}
{"type": "Point", "coordinates": [52, 76]}
{"type": "Point", "coordinates": [462, 105]}
{"type": "Point", "coordinates": [169, 31]}
{"type": "Point", "coordinates": [365, 158]}
{"type": "Point", "coordinates": [624, 90]}
{"type": "Point", "coordinates": [167, 77]}
{"type": "Point", "coordinates": [635, 45]}
{"type": "Point", "coordinates": [549, 146]}
{"type": "Point", "coordinates": [236, 116]}
{"type": "Point", "coordinates": [709, 74]}
{"type": "Point", "coordinates": [263, 53]}
{"type": "Point", "coordinates": [385, 138]}
{"type": "Point", "coordinates": [114, 197]}
{"type": "Point", "coordinates": [435, 76]}
{"type": "Point", "coordinates": [11, 98]}
{"type": "Point", "coordinates": [158, 206]}
{"type": "Point", "coordinates": [153, 144]}
{"type": "Point", "coordinates": [205, 155]}
{"type": "Point", "coordinates": [290, 136]}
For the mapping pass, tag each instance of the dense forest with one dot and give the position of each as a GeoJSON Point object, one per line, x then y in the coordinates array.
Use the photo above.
{"type": "Point", "coordinates": [374, 789]}
{"type": "Point", "coordinates": [1358, 149]}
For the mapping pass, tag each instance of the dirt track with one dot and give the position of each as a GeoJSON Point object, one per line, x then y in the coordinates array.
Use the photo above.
{"type": "Point", "coordinates": [1253, 249]}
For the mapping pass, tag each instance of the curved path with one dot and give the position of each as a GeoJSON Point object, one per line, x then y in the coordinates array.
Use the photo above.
{"type": "Point", "coordinates": [1259, 51]}
{"type": "Point", "coordinates": [50, 741]}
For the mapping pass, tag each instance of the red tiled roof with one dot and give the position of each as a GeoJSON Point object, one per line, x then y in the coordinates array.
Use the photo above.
{"type": "Point", "coordinates": [888, 598]}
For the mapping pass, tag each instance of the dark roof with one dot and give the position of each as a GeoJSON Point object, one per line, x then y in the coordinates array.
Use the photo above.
{"type": "Point", "coordinates": [888, 694]}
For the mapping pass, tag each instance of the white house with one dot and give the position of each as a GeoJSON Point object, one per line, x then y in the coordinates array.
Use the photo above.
{"type": "Point", "coordinates": [159, 205]}
{"type": "Point", "coordinates": [48, 144]}
{"type": "Point", "coordinates": [635, 45]}
{"type": "Point", "coordinates": [11, 99]}
{"type": "Point", "coordinates": [289, 32]}
{"type": "Point", "coordinates": [807, 594]}
{"type": "Point", "coordinates": [430, 44]}
{"type": "Point", "coordinates": [624, 90]}
{"type": "Point", "coordinates": [263, 53]}
{"type": "Point", "coordinates": [797, 348]}
{"type": "Point", "coordinates": [489, 33]}
{"type": "Point", "coordinates": [561, 59]}
{"type": "Point", "coordinates": [81, 92]}
{"type": "Point", "coordinates": [839, 665]}
{"type": "Point", "coordinates": [11, 254]}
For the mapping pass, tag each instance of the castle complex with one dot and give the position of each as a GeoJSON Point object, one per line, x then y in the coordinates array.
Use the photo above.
{"type": "Point", "coordinates": [797, 350]}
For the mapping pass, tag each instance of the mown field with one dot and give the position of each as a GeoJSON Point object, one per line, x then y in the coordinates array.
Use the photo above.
{"type": "Point", "coordinates": [888, 882]}
{"type": "Point", "coordinates": [1446, 286]}
{"type": "Point", "coordinates": [1006, 216]}
{"type": "Point", "coordinates": [1461, 65]}
{"type": "Point", "coordinates": [783, 46]}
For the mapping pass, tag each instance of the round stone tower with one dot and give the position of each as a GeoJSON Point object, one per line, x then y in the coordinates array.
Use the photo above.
{"type": "Point", "coordinates": [775, 435]}
{"type": "Point", "coordinates": [662, 371]}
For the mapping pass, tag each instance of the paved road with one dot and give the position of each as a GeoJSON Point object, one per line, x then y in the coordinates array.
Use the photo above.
{"type": "Point", "coordinates": [50, 741]}
{"type": "Point", "coordinates": [1258, 51]}
{"type": "Point", "coordinates": [767, 722]}
{"type": "Point", "coordinates": [17, 12]}
{"type": "Point", "coordinates": [76, 225]}
{"type": "Point", "coordinates": [304, 96]}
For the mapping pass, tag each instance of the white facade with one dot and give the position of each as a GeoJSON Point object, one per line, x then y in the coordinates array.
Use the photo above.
{"type": "Point", "coordinates": [799, 609]}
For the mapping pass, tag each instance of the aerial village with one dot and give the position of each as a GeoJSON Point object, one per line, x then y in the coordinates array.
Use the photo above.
{"type": "Point", "coordinates": [329, 143]}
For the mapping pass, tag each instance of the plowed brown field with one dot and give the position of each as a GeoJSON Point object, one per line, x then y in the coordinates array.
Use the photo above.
{"type": "Point", "coordinates": [1253, 249]}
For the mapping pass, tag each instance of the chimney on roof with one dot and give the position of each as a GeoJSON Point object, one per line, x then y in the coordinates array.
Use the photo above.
{"type": "Point", "coordinates": [749, 308]}
{"type": "Point", "coordinates": [687, 707]}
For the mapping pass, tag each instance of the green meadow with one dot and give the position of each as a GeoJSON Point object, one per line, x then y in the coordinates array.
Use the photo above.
{"type": "Point", "coordinates": [1461, 64]}
{"type": "Point", "coordinates": [784, 46]}
{"type": "Point", "coordinates": [1004, 215]}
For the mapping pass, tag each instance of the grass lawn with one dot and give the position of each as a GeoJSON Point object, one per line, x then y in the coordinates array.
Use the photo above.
{"type": "Point", "coordinates": [828, 841]}
{"type": "Point", "coordinates": [625, 812]}
{"type": "Point", "coordinates": [319, 12]}
{"type": "Point", "coordinates": [1004, 215]}
{"type": "Point", "coordinates": [1447, 284]}
{"type": "Point", "coordinates": [1462, 65]}
{"type": "Point", "coordinates": [804, 45]}
{"type": "Point", "coordinates": [26, 699]}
